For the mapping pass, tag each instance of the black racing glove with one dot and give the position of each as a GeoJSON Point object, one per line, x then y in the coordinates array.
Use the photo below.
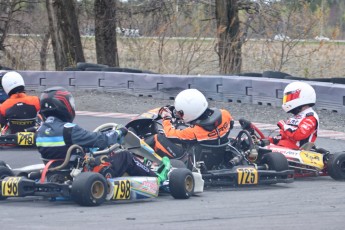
{"type": "Point", "coordinates": [123, 131]}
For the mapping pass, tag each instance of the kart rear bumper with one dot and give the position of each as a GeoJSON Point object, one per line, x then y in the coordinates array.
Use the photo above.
{"type": "Point", "coordinates": [230, 177]}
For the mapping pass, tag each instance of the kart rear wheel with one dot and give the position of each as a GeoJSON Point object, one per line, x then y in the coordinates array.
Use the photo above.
{"type": "Point", "coordinates": [89, 189]}
{"type": "Point", "coordinates": [181, 183]}
{"type": "Point", "coordinates": [4, 172]}
{"type": "Point", "coordinates": [275, 161]}
{"type": "Point", "coordinates": [177, 163]}
{"type": "Point", "coordinates": [336, 166]}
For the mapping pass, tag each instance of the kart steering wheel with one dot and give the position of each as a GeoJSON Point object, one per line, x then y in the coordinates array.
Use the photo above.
{"type": "Point", "coordinates": [106, 127]}
{"type": "Point", "coordinates": [249, 126]}
{"type": "Point", "coordinates": [244, 141]}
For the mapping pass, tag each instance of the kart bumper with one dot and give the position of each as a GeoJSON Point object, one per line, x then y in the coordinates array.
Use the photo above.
{"type": "Point", "coordinates": [21, 187]}
{"type": "Point", "coordinates": [25, 139]}
{"type": "Point", "coordinates": [234, 177]}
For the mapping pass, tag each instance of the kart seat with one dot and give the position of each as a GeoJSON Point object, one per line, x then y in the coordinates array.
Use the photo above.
{"type": "Point", "coordinates": [19, 125]}
{"type": "Point", "coordinates": [211, 155]}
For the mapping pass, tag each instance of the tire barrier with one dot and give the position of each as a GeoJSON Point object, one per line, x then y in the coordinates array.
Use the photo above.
{"type": "Point", "coordinates": [233, 89]}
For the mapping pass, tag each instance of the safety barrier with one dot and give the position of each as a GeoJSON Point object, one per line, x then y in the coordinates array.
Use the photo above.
{"type": "Point", "coordinates": [234, 89]}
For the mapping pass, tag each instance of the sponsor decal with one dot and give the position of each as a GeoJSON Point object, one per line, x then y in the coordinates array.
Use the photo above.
{"type": "Point", "coordinates": [149, 187]}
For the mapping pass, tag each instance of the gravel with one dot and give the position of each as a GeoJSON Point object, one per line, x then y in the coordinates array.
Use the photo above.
{"type": "Point", "coordinates": [125, 103]}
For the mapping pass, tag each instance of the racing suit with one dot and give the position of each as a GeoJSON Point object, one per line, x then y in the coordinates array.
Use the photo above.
{"type": "Point", "coordinates": [19, 106]}
{"type": "Point", "coordinates": [299, 129]}
{"type": "Point", "coordinates": [202, 131]}
{"type": "Point", "coordinates": [54, 137]}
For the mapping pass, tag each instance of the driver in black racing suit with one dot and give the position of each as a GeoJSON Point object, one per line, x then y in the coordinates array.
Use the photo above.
{"type": "Point", "coordinates": [58, 133]}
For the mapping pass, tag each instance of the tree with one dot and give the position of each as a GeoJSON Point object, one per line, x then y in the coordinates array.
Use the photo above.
{"type": "Point", "coordinates": [105, 32]}
{"type": "Point", "coordinates": [64, 31]}
{"type": "Point", "coordinates": [232, 33]}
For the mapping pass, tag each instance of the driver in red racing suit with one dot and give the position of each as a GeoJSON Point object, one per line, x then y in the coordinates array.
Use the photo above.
{"type": "Point", "coordinates": [191, 106]}
{"type": "Point", "coordinates": [58, 133]}
{"type": "Point", "coordinates": [299, 97]}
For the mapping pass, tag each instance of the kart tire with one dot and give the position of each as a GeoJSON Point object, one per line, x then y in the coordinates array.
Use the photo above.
{"type": "Point", "coordinates": [89, 189]}
{"type": "Point", "coordinates": [275, 161]}
{"type": "Point", "coordinates": [177, 163]}
{"type": "Point", "coordinates": [336, 166]}
{"type": "Point", "coordinates": [181, 183]}
{"type": "Point", "coordinates": [4, 172]}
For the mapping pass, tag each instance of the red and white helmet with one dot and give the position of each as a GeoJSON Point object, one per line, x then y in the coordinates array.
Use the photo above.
{"type": "Point", "coordinates": [190, 104]}
{"type": "Point", "coordinates": [297, 94]}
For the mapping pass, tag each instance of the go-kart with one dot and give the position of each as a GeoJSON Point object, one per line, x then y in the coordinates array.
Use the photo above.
{"type": "Point", "coordinates": [20, 132]}
{"type": "Point", "coordinates": [306, 161]}
{"type": "Point", "coordinates": [225, 164]}
{"type": "Point", "coordinates": [87, 178]}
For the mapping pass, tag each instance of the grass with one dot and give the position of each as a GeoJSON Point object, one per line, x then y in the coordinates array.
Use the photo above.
{"type": "Point", "coordinates": [198, 56]}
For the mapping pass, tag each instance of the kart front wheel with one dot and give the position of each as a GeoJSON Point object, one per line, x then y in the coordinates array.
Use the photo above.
{"type": "Point", "coordinates": [4, 172]}
{"type": "Point", "coordinates": [89, 189]}
{"type": "Point", "coordinates": [336, 166]}
{"type": "Point", "coordinates": [177, 163]}
{"type": "Point", "coordinates": [181, 183]}
{"type": "Point", "coordinates": [275, 161]}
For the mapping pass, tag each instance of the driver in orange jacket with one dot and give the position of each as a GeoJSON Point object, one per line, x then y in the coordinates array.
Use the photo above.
{"type": "Point", "coordinates": [19, 105]}
{"type": "Point", "coordinates": [299, 98]}
{"type": "Point", "coordinates": [205, 125]}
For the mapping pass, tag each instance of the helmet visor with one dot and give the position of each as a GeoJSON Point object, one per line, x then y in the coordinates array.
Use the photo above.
{"type": "Point", "coordinates": [292, 95]}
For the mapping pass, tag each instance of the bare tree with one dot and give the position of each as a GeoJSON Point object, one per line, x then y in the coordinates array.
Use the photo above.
{"type": "Point", "coordinates": [231, 34]}
{"type": "Point", "coordinates": [9, 17]}
{"type": "Point", "coordinates": [105, 32]}
{"type": "Point", "coordinates": [285, 25]}
{"type": "Point", "coordinates": [64, 33]}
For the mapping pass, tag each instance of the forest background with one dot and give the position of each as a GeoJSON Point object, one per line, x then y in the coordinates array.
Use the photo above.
{"type": "Point", "coordinates": [301, 37]}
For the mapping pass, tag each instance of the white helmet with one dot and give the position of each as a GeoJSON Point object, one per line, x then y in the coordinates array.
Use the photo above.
{"type": "Point", "coordinates": [191, 104]}
{"type": "Point", "coordinates": [11, 81]}
{"type": "Point", "coordinates": [297, 94]}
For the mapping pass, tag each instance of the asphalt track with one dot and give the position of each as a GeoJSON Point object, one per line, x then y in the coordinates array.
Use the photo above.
{"type": "Point", "coordinates": [313, 203]}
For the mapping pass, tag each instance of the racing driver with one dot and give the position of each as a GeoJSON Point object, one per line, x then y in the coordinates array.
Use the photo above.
{"type": "Point", "coordinates": [19, 105]}
{"type": "Point", "coordinates": [58, 133]}
{"type": "Point", "coordinates": [299, 98]}
{"type": "Point", "coordinates": [205, 125]}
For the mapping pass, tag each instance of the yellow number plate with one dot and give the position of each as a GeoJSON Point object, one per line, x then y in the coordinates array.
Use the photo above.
{"type": "Point", "coordinates": [122, 190]}
{"type": "Point", "coordinates": [247, 176]}
{"type": "Point", "coordinates": [9, 186]}
{"type": "Point", "coordinates": [25, 138]}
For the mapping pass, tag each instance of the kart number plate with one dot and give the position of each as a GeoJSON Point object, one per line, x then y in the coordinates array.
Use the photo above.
{"type": "Point", "coordinates": [247, 176]}
{"type": "Point", "coordinates": [122, 190]}
{"type": "Point", "coordinates": [25, 138]}
{"type": "Point", "coordinates": [9, 186]}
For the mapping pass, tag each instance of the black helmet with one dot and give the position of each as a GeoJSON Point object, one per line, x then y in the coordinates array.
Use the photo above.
{"type": "Point", "coordinates": [58, 102]}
